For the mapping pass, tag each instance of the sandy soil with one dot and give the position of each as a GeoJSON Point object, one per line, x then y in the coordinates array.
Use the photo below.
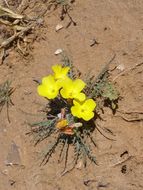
{"type": "Point", "coordinates": [118, 28]}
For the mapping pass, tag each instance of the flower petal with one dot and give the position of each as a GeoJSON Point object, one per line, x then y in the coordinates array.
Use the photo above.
{"type": "Point", "coordinates": [87, 116]}
{"type": "Point", "coordinates": [48, 81]}
{"type": "Point", "coordinates": [78, 85]}
{"type": "Point", "coordinates": [59, 71]}
{"type": "Point", "coordinates": [76, 103]}
{"type": "Point", "coordinates": [52, 95]}
{"type": "Point", "coordinates": [68, 83]}
{"type": "Point", "coordinates": [42, 90]}
{"type": "Point", "coordinates": [62, 82]}
{"type": "Point", "coordinates": [75, 111]}
{"type": "Point", "coordinates": [65, 70]}
{"type": "Point", "coordinates": [89, 104]}
{"type": "Point", "coordinates": [64, 93]}
{"type": "Point", "coordinates": [45, 91]}
{"type": "Point", "coordinates": [56, 68]}
{"type": "Point", "coordinates": [81, 97]}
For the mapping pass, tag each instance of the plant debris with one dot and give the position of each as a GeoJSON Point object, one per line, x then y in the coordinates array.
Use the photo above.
{"type": "Point", "coordinates": [16, 27]}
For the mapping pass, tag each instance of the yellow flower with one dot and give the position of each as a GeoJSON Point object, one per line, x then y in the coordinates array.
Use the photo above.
{"type": "Point", "coordinates": [49, 87]}
{"type": "Point", "coordinates": [60, 72]}
{"type": "Point", "coordinates": [72, 89]}
{"type": "Point", "coordinates": [84, 109]}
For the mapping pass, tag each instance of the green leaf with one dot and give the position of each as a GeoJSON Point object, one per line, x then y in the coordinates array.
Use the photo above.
{"type": "Point", "coordinates": [110, 92]}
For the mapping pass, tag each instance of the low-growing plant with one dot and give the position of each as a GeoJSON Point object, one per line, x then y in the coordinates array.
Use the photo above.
{"type": "Point", "coordinates": [5, 96]}
{"type": "Point", "coordinates": [71, 112]}
{"type": "Point", "coordinates": [103, 90]}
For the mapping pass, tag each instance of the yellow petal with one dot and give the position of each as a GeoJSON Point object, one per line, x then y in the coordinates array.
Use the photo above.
{"type": "Point", "coordinates": [76, 103]}
{"type": "Point", "coordinates": [59, 71]}
{"type": "Point", "coordinates": [65, 70]}
{"type": "Point", "coordinates": [81, 97]}
{"type": "Point", "coordinates": [61, 82]}
{"type": "Point", "coordinates": [56, 68]}
{"type": "Point", "coordinates": [89, 104]}
{"type": "Point", "coordinates": [78, 85]}
{"type": "Point", "coordinates": [47, 92]}
{"type": "Point", "coordinates": [49, 80]}
{"type": "Point", "coordinates": [87, 116]}
{"type": "Point", "coordinates": [75, 111]}
{"type": "Point", "coordinates": [64, 93]}
{"type": "Point", "coordinates": [68, 83]}
{"type": "Point", "coordinates": [52, 95]}
{"type": "Point", "coordinates": [42, 90]}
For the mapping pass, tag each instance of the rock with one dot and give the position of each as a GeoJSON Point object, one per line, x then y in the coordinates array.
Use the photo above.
{"type": "Point", "coordinates": [58, 51]}
{"type": "Point", "coordinates": [121, 67]}
{"type": "Point", "coordinates": [5, 172]}
{"type": "Point", "coordinates": [13, 157]}
{"type": "Point", "coordinates": [58, 27]}
{"type": "Point", "coordinates": [12, 182]}
{"type": "Point", "coordinates": [93, 42]}
{"type": "Point", "coordinates": [79, 165]}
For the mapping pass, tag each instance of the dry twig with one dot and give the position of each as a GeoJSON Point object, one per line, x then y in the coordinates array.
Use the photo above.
{"type": "Point", "coordinates": [122, 161]}
{"type": "Point", "coordinates": [126, 71]}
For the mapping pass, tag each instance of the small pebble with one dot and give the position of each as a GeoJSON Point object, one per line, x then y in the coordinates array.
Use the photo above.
{"type": "Point", "coordinates": [121, 67]}
{"type": "Point", "coordinates": [12, 182]}
{"type": "Point", "coordinates": [58, 51]}
{"type": "Point", "coordinates": [5, 172]}
{"type": "Point", "coordinates": [79, 165]}
{"type": "Point", "coordinates": [58, 27]}
{"type": "Point", "coordinates": [13, 156]}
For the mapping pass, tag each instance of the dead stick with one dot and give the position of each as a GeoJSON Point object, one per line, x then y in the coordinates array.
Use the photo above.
{"type": "Point", "coordinates": [122, 161]}
{"type": "Point", "coordinates": [12, 38]}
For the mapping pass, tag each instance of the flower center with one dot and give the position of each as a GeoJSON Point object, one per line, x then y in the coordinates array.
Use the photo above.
{"type": "Point", "coordinates": [82, 110]}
